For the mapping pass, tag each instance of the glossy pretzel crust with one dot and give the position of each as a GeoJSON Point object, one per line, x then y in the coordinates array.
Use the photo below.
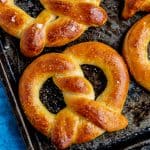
{"type": "Point", "coordinates": [84, 118]}
{"type": "Point", "coordinates": [133, 6]}
{"type": "Point", "coordinates": [61, 22]}
{"type": "Point", "coordinates": [135, 51]}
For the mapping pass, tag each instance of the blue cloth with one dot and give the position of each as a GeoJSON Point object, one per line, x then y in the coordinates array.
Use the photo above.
{"type": "Point", "coordinates": [10, 138]}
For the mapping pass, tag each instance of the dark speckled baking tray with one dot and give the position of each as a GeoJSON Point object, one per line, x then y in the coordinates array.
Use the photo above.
{"type": "Point", "coordinates": [137, 107]}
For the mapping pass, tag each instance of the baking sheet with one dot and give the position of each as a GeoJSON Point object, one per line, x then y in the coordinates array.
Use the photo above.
{"type": "Point", "coordinates": [137, 107]}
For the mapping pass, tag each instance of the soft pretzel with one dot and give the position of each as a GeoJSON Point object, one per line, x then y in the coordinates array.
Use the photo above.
{"type": "Point", "coordinates": [133, 6]}
{"type": "Point", "coordinates": [135, 51]}
{"type": "Point", "coordinates": [83, 119]}
{"type": "Point", "coordinates": [47, 29]}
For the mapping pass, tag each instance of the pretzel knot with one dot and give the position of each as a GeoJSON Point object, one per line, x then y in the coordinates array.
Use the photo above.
{"type": "Point", "coordinates": [84, 118]}
{"type": "Point", "coordinates": [61, 22]}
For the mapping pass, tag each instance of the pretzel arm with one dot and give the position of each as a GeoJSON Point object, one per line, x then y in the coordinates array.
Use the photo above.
{"type": "Point", "coordinates": [85, 13]}
{"type": "Point", "coordinates": [100, 115]}
{"type": "Point", "coordinates": [13, 19]}
{"type": "Point", "coordinates": [64, 131]}
{"type": "Point", "coordinates": [33, 38]}
{"type": "Point", "coordinates": [62, 31]}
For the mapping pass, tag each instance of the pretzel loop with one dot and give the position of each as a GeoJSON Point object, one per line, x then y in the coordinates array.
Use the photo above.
{"type": "Point", "coordinates": [135, 51]}
{"type": "Point", "coordinates": [48, 30]}
{"type": "Point", "coordinates": [84, 118]}
{"type": "Point", "coordinates": [133, 6]}
{"type": "Point", "coordinates": [82, 12]}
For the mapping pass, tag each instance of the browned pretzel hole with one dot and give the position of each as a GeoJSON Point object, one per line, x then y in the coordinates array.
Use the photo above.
{"type": "Point", "coordinates": [52, 97]}
{"type": "Point", "coordinates": [33, 8]}
{"type": "Point", "coordinates": [97, 78]}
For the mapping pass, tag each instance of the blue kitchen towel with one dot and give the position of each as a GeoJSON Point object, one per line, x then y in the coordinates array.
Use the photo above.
{"type": "Point", "coordinates": [10, 138]}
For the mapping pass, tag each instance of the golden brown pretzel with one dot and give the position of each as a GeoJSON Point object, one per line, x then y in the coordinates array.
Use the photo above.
{"type": "Point", "coordinates": [83, 119]}
{"type": "Point", "coordinates": [48, 30]}
{"type": "Point", "coordinates": [133, 6]}
{"type": "Point", "coordinates": [136, 53]}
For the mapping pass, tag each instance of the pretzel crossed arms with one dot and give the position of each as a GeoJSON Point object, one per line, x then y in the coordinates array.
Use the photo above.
{"type": "Point", "coordinates": [48, 30]}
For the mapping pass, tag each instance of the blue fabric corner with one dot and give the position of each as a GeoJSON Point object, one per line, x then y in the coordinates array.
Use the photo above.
{"type": "Point", "coordinates": [10, 138]}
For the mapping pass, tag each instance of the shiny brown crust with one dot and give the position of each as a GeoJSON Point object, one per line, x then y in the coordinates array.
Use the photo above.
{"type": "Point", "coordinates": [83, 119]}
{"type": "Point", "coordinates": [133, 6]}
{"type": "Point", "coordinates": [82, 12]}
{"type": "Point", "coordinates": [11, 19]}
{"type": "Point", "coordinates": [135, 51]}
{"type": "Point", "coordinates": [61, 22]}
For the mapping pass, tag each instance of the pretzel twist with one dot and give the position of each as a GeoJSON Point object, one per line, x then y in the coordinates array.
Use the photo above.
{"type": "Point", "coordinates": [83, 119]}
{"type": "Point", "coordinates": [135, 51]}
{"type": "Point", "coordinates": [45, 30]}
{"type": "Point", "coordinates": [133, 6]}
